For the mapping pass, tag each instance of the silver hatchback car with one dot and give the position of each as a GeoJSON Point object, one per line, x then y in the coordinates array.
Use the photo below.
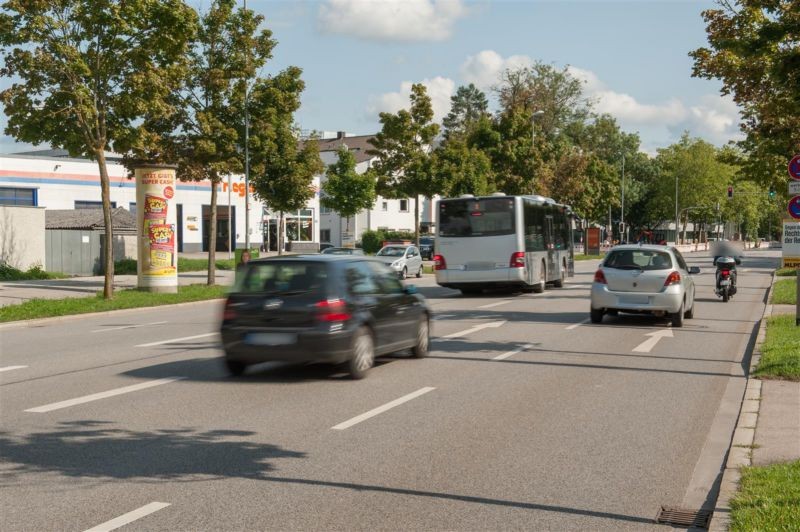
{"type": "Point", "coordinates": [644, 279]}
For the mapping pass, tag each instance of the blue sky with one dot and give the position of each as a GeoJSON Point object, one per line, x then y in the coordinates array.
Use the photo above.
{"type": "Point", "coordinates": [360, 57]}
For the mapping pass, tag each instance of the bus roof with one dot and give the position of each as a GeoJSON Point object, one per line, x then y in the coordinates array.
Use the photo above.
{"type": "Point", "coordinates": [535, 197]}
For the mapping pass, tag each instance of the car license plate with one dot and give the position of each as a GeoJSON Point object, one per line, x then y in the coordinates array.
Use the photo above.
{"type": "Point", "coordinates": [270, 339]}
{"type": "Point", "coordinates": [724, 282]}
{"type": "Point", "coordinates": [634, 300]}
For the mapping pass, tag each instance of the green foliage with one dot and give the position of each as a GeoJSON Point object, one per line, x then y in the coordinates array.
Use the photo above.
{"type": "Point", "coordinates": [9, 273]}
{"type": "Point", "coordinates": [467, 106]}
{"type": "Point", "coordinates": [780, 352]}
{"type": "Point", "coordinates": [768, 499]}
{"type": "Point", "coordinates": [458, 169]}
{"type": "Point", "coordinates": [345, 190]}
{"type": "Point", "coordinates": [786, 272]}
{"type": "Point", "coordinates": [372, 241]}
{"type": "Point", "coordinates": [46, 308]}
{"type": "Point", "coordinates": [127, 267]}
{"type": "Point", "coordinates": [784, 292]}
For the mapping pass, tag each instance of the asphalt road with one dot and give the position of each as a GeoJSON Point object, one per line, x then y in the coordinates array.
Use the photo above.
{"type": "Point", "coordinates": [526, 417]}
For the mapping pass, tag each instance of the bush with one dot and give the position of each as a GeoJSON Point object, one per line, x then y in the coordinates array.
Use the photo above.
{"type": "Point", "coordinates": [9, 273]}
{"type": "Point", "coordinates": [371, 241]}
{"type": "Point", "coordinates": [125, 267]}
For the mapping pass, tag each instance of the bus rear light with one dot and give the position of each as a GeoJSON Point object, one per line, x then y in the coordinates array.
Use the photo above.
{"type": "Point", "coordinates": [600, 277]}
{"type": "Point", "coordinates": [439, 262]}
{"type": "Point", "coordinates": [517, 260]}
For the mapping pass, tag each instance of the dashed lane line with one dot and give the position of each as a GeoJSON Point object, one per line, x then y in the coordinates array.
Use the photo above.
{"type": "Point", "coordinates": [11, 368]}
{"type": "Point", "coordinates": [465, 332]}
{"type": "Point", "coordinates": [123, 327]}
{"type": "Point", "coordinates": [513, 352]}
{"type": "Point", "coordinates": [381, 409]}
{"type": "Point", "coordinates": [576, 325]}
{"type": "Point", "coordinates": [175, 340]}
{"type": "Point", "coordinates": [102, 395]}
{"type": "Point", "coordinates": [129, 517]}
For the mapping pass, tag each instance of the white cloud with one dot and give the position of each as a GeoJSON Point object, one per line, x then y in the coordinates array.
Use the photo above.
{"type": "Point", "coordinates": [439, 89]}
{"type": "Point", "coordinates": [484, 68]}
{"type": "Point", "coordinates": [391, 20]}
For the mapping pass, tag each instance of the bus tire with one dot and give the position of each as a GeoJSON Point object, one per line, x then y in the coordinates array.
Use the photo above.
{"type": "Point", "coordinates": [539, 287]}
{"type": "Point", "coordinates": [560, 282]}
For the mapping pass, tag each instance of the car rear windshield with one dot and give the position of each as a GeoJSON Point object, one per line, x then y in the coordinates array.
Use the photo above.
{"type": "Point", "coordinates": [638, 259]}
{"type": "Point", "coordinates": [391, 252]}
{"type": "Point", "coordinates": [281, 277]}
{"type": "Point", "coordinates": [476, 217]}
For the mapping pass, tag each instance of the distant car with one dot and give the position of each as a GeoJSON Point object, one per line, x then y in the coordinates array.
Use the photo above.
{"type": "Point", "coordinates": [405, 260]}
{"type": "Point", "coordinates": [321, 308]}
{"type": "Point", "coordinates": [426, 247]}
{"type": "Point", "coordinates": [324, 246]}
{"type": "Point", "coordinates": [342, 251]}
{"type": "Point", "coordinates": [644, 279]}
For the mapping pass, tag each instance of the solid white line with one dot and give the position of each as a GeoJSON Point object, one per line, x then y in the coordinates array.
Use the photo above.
{"type": "Point", "coordinates": [174, 340]}
{"type": "Point", "coordinates": [475, 329]}
{"type": "Point", "coordinates": [512, 353]}
{"type": "Point", "coordinates": [129, 326]}
{"type": "Point", "coordinates": [129, 517]}
{"type": "Point", "coordinates": [9, 368]}
{"type": "Point", "coordinates": [576, 325]}
{"type": "Point", "coordinates": [381, 409]}
{"type": "Point", "coordinates": [102, 395]}
{"type": "Point", "coordinates": [490, 305]}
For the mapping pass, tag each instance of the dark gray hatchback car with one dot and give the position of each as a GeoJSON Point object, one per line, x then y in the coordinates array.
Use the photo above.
{"type": "Point", "coordinates": [321, 308]}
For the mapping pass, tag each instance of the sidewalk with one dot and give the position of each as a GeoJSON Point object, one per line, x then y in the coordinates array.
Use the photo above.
{"type": "Point", "coordinates": [15, 292]}
{"type": "Point", "coordinates": [768, 429]}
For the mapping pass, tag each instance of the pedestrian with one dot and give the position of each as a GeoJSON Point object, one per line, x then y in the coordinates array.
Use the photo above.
{"type": "Point", "coordinates": [243, 260]}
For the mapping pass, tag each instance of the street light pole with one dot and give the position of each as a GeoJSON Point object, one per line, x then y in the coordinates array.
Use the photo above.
{"type": "Point", "coordinates": [622, 214]}
{"type": "Point", "coordinates": [246, 155]}
{"type": "Point", "coordinates": [676, 210]}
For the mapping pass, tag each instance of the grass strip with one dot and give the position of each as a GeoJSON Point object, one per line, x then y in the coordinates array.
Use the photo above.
{"type": "Point", "coordinates": [128, 266]}
{"type": "Point", "coordinates": [784, 292]}
{"type": "Point", "coordinates": [780, 352]}
{"type": "Point", "coordinates": [768, 498]}
{"type": "Point", "coordinates": [47, 308]}
{"type": "Point", "coordinates": [786, 272]}
{"type": "Point", "coordinates": [588, 257]}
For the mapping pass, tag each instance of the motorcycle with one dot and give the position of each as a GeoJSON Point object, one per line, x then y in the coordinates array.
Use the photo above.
{"type": "Point", "coordinates": [726, 276]}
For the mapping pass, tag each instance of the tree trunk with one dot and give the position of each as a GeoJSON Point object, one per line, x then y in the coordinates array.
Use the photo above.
{"type": "Point", "coordinates": [280, 233]}
{"type": "Point", "coordinates": [108, 246]}
{"type": "Point", "coordinates": [212, 237]}
{"type": "Point", "coordinates": [416, 220]}
{"type": "Point", "coordinates": [685, 223]}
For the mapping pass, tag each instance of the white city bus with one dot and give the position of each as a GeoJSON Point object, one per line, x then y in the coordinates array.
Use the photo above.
{"type": "Point", "coordinates": [499, 241]}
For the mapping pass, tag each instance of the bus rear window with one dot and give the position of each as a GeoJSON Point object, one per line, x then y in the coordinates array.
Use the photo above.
{"type": "Point", "coordinates": [476, 217]}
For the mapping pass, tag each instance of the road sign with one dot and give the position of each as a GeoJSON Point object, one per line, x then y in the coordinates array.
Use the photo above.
{"type": "Point", "coordinates": [791, 245]}
{"type": "Point", "coordinates": [794, 187]}
{"type": "Point", "coordinates": [794, 207]}
{"type": "Point", "coordinates": [794, 168]}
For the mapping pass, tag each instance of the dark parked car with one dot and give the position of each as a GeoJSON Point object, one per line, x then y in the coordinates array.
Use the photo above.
{"type": "Point", "coordinates": [321, 308]}
{"type": "Point", "coordinates": [426, 247]}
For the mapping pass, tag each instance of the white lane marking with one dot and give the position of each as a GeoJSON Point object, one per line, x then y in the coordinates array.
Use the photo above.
{"type": "Point", "coordinates": [514, 352]}
{"type": "Point", "coordinates": [174, 340]}
{"type": "Point", "coordinates": [129, 517]}
{"type": "Point", "coordinates": [381, 409]}
{"type": "Point", "coordinates": [10, 368]}
{"type": "Point", "coordinates": [102, 395]}
{"type": "Point", "coordinates": [490, 305]}
{"type": "Point", "coordinates": [477, 328]}
{"type": "Point", "coordinates": [576, 325]}
{"type": "Point", "coordinates": [129, 326]}
{"type": "Point", "coordinates": [650, 343]}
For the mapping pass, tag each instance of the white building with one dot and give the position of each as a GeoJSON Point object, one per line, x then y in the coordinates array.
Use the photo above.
{"type": "Point", "coordinates": [51, 179]}
{"type": "Point", "coordinates": [390, 214]}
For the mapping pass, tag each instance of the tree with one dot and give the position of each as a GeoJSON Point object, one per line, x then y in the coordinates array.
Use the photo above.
{"type": "Point", "coordinates": [203, 133]}
{"type": "Point", "coordinates": [402, 148]}
{"type": "Point", "coordinates": [345, 190]}
{"type": "Point", "coordinates": [282, 167]}
{"type": "Point", "coordinates": [88, 72]}
{"type": "Point", "coordinates": [467, 106]}
{"type": "Point", "coordinates": [753, 49]}
{"type": "Point", "coordinates": [459, 169]}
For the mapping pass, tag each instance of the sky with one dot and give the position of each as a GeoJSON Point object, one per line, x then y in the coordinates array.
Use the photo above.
{"type": "Point", "coordinates": [360, 57]}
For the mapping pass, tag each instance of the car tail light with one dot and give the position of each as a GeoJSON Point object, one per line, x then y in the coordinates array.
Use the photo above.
{"type": "Point", "coordinates": [725, 273]}
{"type": "Point", "coordinates": [331, 310]}
{"type": "Point", "coordinates": [600, 277]}
{"type": "Point", "coordinates": [517, 260]}
{"type": "Point", "coordinates": [439, 262]}
{"type": "Point", "coordinates": [673, 278]}
{"type": "Point", "coordinates": [229, 313]}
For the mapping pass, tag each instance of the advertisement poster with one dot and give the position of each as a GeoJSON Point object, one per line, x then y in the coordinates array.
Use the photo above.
{"type": "Point", "coordinates": [791, 244]}
{"type": "Point", "coordinates": [593, 241]}
{"type": "Point", "coordinates": [156, 222]}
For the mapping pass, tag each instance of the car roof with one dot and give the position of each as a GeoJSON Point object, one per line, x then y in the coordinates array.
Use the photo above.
{"type": "Point", "coordinates": [647, 247]}
{"type": "Point", "coordinates": [314, 258]}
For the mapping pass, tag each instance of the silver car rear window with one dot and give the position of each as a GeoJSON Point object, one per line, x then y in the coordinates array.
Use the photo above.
{"type": "Point", "coordinates": [638, 259]}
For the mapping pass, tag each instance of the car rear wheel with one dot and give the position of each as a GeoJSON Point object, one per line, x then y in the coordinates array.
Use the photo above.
{"type": "Point", "coordinates": [677, 318]}
{"type": "Point", "coordinates": [423, 338]}
{"type": "Point", "coordinates": [596, 315]}
{"type": "Point", "coordinates": [363, 357]}
{"type": "Point", "coordinates": [689, 314]}
{"type": "Point", "coordinates": [419, 273]}
{"type": "Point", "coordinates": [235, 367]}
{"type": "Point", "coordinates": [539, 287]}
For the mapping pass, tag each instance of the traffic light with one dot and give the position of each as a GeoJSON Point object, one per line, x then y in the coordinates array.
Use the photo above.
{"type": "Point", "coordinates": [730, 192]}
{"type": "Point", "coordinates": [771, 192]}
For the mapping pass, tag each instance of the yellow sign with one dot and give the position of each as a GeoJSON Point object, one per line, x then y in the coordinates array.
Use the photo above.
{"type": "Point", "coordinates": [157, 221]}
{"type": "Point", "coordinates": [791, 262]}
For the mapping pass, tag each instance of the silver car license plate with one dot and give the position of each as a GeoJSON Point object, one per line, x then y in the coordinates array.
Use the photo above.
{"type": "Point", "coordinates": [634, 300]}
{"type": "Point", "coordinates": [270, 339]}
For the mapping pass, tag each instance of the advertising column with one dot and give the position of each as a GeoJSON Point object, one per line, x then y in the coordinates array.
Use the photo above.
{"type": "Point", "coordinates": [155, 222]}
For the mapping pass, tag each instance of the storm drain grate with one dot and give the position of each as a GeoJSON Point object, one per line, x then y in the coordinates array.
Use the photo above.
{"type": "Point", "coordinates": [683, 517]}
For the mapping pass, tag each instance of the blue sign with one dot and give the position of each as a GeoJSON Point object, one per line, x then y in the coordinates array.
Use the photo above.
{"type": "Point", "coordinates": [794, 207]}
{"type": "Point", "coordinates": [794, 167]}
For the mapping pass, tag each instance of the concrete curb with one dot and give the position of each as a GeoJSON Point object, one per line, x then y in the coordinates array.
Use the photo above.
{"type": "Point", "coordinates": [45, 321]}
{"type": "Point", "coordinates": [741, 449]}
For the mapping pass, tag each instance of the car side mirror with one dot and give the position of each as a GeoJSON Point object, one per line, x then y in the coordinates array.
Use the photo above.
{"type": "Point", "coordinates": [410, 289]}
{"type": "Point", "coordinates": [738, 260]}
{"type": "Point", "coordinates": [694, 270]}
